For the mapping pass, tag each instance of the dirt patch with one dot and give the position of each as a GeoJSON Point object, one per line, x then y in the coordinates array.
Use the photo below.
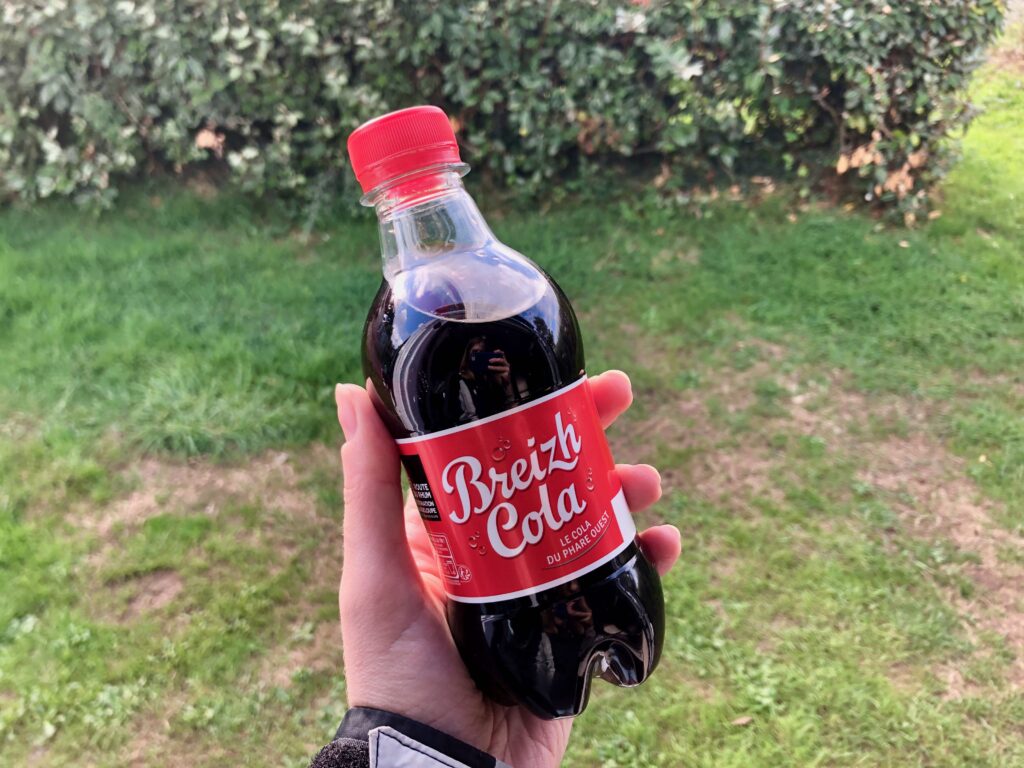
{"type": "Point", "coordinates": [930, 489]}
{"type": "Point", "coordinates": [1014, 11]}
{"type": "Point", "coordinates": [846, 419]}
{"type": "Point", "coordinates": [887, 436]}
{"type": "Point", "coordinates": [955, 685]}
{"type": "Point", "coordinates": [712, 462]}
{"type": "Point", "coordinates": [40, 756]}
{"type": "Point", "coordinates": [1008, 52]}
{"type": "Point", "coordinates": [275, 482]}
{"type": "Point", "coordinates": [744, 471]}
{"type": "Point", "coordinates": [1008, 58]}
{"type": "Point", "coordinates": [153, 591]}
{"type": "Point", "coordinates": [164, 485]}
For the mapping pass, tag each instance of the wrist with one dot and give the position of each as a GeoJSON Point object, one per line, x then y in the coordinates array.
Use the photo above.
{"type": "Point", "coordinates": [389, 735]}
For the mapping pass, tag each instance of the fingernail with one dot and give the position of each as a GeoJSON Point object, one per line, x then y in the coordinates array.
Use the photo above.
{"type": "Point", "coordinates": [346, 413]}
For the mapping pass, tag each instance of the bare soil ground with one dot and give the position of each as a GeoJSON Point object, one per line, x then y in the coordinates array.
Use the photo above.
{"type": "Point", "coordinates": [897, 453]}
{"type": "Point", "coordinates": [163, 485]}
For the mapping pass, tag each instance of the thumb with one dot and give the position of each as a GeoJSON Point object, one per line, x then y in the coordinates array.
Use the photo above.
{"type": "Point", "coordinates": [375, 545]}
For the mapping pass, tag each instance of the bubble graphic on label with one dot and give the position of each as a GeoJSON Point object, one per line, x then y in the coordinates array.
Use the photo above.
{"type": "Point", "coordinates": [590, 479]}
{"type": "Point", "coordinates": [501, 449]}
{"type": "Point", "coordinates": [482, 550]}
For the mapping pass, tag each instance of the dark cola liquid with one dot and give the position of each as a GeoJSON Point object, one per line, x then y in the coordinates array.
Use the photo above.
{"type": "Point", "coordinates": [431, 371]}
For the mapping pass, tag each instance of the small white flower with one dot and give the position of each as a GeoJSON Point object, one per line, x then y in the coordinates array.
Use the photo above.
{"type": "Point", "coordinates": [689, 70]}
{"type": "Point", "coordinates": [630, 21]}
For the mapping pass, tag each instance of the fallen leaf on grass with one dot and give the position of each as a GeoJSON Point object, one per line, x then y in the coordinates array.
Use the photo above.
{"type": "Point", "coordinates": [742, 721]}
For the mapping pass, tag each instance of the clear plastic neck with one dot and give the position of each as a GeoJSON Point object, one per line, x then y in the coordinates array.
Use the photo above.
{"type": "Point", "coordinates": [424, 216]}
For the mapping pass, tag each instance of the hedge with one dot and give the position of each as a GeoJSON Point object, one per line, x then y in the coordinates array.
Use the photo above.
{"type": "Point", "coordinates": [93, 92]}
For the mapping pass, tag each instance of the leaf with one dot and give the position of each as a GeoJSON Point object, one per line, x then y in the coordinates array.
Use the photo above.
{"type": "Point", "coordinates": [725, 31]}
{"type": "Point", "coordinates": [742, 722]}
{"type": "Point", "coordinates": [663, 176]}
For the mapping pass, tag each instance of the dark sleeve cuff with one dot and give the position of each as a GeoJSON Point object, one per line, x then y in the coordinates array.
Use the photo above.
{"type": "Point", "coordinates": [359, 721]}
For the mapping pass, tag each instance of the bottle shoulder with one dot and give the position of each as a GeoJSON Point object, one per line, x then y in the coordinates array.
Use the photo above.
{"type": "Point", "coordinates": [489, 284]}
{"type": "Point", "coordinates": [441, 350]}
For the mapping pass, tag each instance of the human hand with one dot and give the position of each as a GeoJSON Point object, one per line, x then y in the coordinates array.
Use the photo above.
{"type": "Point", "coordinates": [399, 654]}
{"type": "Point", "coordinates": [498, 366]}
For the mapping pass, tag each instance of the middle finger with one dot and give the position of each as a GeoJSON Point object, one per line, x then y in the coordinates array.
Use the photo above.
{"type": "Point", "coordinates": [641, 483]}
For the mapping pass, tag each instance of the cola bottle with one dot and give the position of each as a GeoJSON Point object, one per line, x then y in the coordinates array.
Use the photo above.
{"type": "Point", "coordinates": [475, 362]}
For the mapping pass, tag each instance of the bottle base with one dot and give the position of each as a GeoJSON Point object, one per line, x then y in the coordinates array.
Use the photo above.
{"type": "Point", "coordinates": [545, 656]}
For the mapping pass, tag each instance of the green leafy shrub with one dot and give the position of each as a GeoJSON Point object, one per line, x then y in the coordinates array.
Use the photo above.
{"type": "Point", "coordinates": [94, 91]}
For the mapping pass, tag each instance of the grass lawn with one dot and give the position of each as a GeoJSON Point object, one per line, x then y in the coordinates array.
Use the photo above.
{"type": "Point", "coordinates": [837, 407]}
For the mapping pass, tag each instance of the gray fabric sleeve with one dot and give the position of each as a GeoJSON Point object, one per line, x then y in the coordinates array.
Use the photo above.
{"type": "Point", "coordinates": [390, 748]}
{"type": "Point", "coordinates": [376, 738]}
{"type": "Point", "coordinates": [387, 748]}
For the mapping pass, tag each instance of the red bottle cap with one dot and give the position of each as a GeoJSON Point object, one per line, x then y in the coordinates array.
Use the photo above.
{"type": "Point", "coordinates": [401, 142]}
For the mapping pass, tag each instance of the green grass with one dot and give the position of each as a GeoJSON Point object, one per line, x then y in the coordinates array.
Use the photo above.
{"type": "Point", "coordinates": [178, 327]}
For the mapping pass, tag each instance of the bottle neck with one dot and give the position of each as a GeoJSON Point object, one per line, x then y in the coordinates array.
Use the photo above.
{"type": "Point", "coordinates": [425, 216]}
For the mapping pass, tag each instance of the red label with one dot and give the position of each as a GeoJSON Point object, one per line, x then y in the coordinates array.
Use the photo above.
{"type": "Point", "coordinates": [520, 501]}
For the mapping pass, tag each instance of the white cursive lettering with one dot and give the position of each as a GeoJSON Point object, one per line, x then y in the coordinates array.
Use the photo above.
{"type": "Point", "coordinates": [508, 531]}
